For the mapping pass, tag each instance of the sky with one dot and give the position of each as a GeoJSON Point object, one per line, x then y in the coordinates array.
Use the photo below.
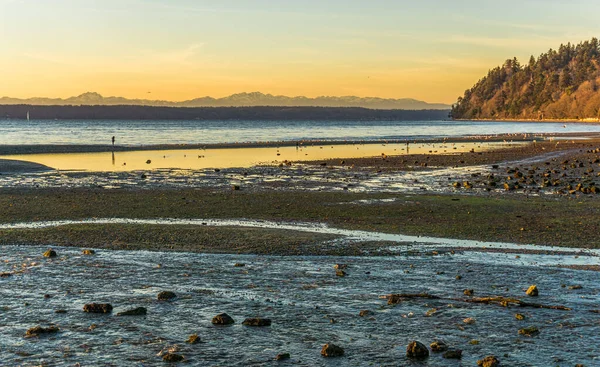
{"type": "Point", "coordinates": [183, 49]}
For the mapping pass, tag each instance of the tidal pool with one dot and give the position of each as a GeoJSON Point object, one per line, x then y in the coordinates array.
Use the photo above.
{"type": "Point", "coordinates": [308, 304]}
{"type": "Point", "coordinates": [195, 159]}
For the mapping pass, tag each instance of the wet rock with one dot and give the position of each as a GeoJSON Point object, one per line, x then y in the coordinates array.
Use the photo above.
{"type": "Point", "coordinates": [573, 287]}
{"type": "Point", "coordinates": [453, 354]}
{"type": "Point", "coordinates": [340, 266]}
{"type": "Point", "coordinates": [60, 311]}
{"type": "Point", "coordinates": [489, 361]}
{"type": "Point", "coordinates": [235, 187]}
{"type": "Point", "coordinates": [5, 275]}
{"type": "Point", "coordinates": [193, 339]}
{"type": "Point", "coordinates": [438, 346]}
{"type": "Point", "coordinates": [50, 253]}
{"type": "Point", "coordinates": [222, 319]}
{"type": "Point", "coordinates": [364, 313]}
{"type": "Point", "coordinates": [166, 295]}
{"type": "Point", "coordinates": [529, 331]}
{"type": "Point", "coordinates": [331, 350]}
{"type": "Point", "coordinates": [98, 308]}
{"type": "Point", "coordinates": [282, 357]}
{"type": "Point", "coordinates": [469, 321]}
{"type": "Point", "coordinates": [88, 252]}
{"type": "Point", "coordinates": [520, 317]}
{"type": "Point", "coordinates": [340, 273]}
{"type": "Point", "coordinates": [416, 350]}
{"type": "Point", "coordinates": [532, 291]}
{"type": "Point", "coordinates": [140, 311]}
{"type": "Point", "coordinates": [458, 277]}
{"type": "Point", "coordinates": [468, 292]}
{"type": "Point", "coordinates": [239, 265]}
{"type": "Point", "coordinates": [38, 330]}
{"type": "Point", "coordinates": [173, 358]}
{"type": "Point", "coordinates": [257, 322]}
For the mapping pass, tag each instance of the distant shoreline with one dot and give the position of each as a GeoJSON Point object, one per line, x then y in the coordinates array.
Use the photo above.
{"type": "Point", "coordinates": [259, 113]}
{"type": "Point", "coordinates": [583, 121]}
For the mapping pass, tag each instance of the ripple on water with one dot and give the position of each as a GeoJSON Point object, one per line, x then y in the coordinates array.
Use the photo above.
{"type": "Point", "coordinates": [300, 294]}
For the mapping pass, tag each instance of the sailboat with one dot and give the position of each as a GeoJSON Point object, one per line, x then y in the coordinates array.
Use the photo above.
{"type": "Point", "coordinates": [27, 115]}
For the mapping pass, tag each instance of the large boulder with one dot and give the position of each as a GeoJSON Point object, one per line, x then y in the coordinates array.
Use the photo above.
{"type": "Point", "coordinates": [166, 296]}
{"type": "Point", "coordinates": [257, 322]}
{"type": "Point", "coordinates": [489, 361]}
{"type": "Point", "coordinates": [453, 354]}
{"type": "Point", "coordinates": [50, 253]}
{"type": "Point", "coordinates": [532, 291]}
{"type": "Point", "coordinates": [223, 319]}
{"type": "Point", "coordinates": [98, 308]}
{"type": "Point", "coordinates": [438, 346]}
{"type": "Point", "coordinates": [173, 358]}
{"type": "Point", "coordinates": [140, 311]}
{"type": "Point", "coordinates": [38, 330]}
{"type": "Point", "coordinates": [417, 350]}
{"type": "Point", "coordinates": [332, 350]}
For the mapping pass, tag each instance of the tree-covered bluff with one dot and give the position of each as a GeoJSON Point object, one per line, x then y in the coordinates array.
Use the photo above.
{"type": "Point", "coordinates": [559, 84]}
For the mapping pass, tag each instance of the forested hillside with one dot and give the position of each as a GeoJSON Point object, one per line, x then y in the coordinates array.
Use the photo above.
{"type": "Point", "coordinates": [559, 84]}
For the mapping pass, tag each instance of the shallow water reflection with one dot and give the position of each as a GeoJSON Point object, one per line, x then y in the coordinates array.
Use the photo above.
{"type": "Point", "coordinates": [300, 294]}
{"type": "Point", "coordinates": [237, 157]}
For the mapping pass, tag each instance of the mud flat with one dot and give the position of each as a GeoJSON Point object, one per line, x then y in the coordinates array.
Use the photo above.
{"type": "Point", "coordinates": [9, 166]}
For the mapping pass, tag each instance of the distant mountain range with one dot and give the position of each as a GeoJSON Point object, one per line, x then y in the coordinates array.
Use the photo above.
{"type": "Point", "coordinates": [236, 100]}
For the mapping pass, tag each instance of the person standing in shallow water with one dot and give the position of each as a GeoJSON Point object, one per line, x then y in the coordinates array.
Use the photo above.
{"type": "Point", "coordinates": [113, 141]}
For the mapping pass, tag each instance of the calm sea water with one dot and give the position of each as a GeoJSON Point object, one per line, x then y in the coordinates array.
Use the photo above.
{"type": "Point", "coordinates": [129, 132]}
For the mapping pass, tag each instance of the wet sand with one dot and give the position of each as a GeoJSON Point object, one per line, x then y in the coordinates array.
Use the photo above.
{"type": "Point", "coordinates": [8, 166]}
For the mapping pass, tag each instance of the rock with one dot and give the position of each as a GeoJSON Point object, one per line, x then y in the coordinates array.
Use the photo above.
{"type": "Point", "coordinates": [438, 346]}
{"type": "Point", "coordinates": [533, 291]}
{"type": "Point", "coordinates": [148, 161]}
{"type": "Point", "coordinates": [166, 296]}
{"type": "Point", "coordinates": [519, 316]}
{"type": "Point", "coordinates": [416, 350]}
{"type": "Point", "coordinates": [282, 356]}
{"type": "Point", "coordinates": [364, 313]}
{"type": "Point", "coordinates": [239, 265]}
{"type": "Point", "coordinates": [98, 308]}
{"type": "Point", "coordinates": [489, 361]}
{"type": "Point", "coordinates": [140, 311]}
{"type": "Point", "coordinates": [60, 311]}
{"type": "Point", "coordinates": [235, 187]}
{"type": "Point", "coordinates": [193, 339]}
{"type": "Point", "coordinates": [458, 277]}
{"type": "Point", "coordinates": [50, 253]}
{"type": "Point", "coordinates": [88, 252]}
{"type": "Point", "coordinates": [331, 350]}
{"type": "Point", "coordinates": [5, 275]}
{"type": "Point", "coordinates": [468, 292]}
{"type": "Point", "coordinates": [453, 354]}
{"type": "Point", "coordinates": [340, 266]}
{"type": "Point", "coordinates": [222, 319]}
{"type": "Point", "coordinates": [38, 330]}
{"type": "Point", "coordinates": [257, 322]}
{"type": "Point", "coordinates": [340, 273]}
{"type": "Point", "coordinates": [469, 321]}
{"type": "Point", "coordinates": [173, 358]}
{"type": "Point", "coordinates": [529, 331]}
{"type": "Point", "coordinates": [573, 287]}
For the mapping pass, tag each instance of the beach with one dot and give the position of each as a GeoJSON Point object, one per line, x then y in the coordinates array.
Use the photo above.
{"type": "Point", "coordinates": [461, 228]}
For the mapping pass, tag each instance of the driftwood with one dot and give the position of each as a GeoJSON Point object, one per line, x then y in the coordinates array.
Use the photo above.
{"type": "Point", "coordinates": [394, 299]}
{"type": "Point", "coordinates": [399, 298]}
